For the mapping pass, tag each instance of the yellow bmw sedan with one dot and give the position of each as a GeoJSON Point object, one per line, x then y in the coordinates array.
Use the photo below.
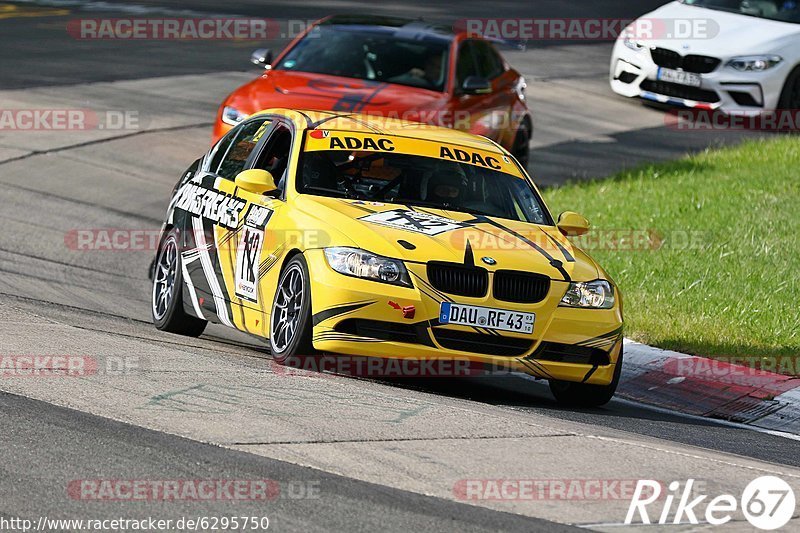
{"type": "Point", "coordinates": [338, 233]}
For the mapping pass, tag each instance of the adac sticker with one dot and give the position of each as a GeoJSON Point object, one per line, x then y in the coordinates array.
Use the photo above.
{"type": "Point", "coordinates": [474, 158]}
{"type": "Point", "coordinates": [378, 144]}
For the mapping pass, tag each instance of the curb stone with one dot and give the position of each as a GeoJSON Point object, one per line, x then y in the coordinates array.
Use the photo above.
{"type": "Point", "coordinates": [710, 388]}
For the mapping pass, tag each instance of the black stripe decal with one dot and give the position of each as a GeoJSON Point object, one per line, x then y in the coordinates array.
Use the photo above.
{"type": "Point", "coordinates": [611, 335]}
{"type": "Point", "coordinates": [533, 368]}
{"type": "Point", "coordinates": [589, 373]}
{"type": "Point", "coordinates": [539, 367]}
{"type": "Point", "coordinates": [555, 263]}
{"type": "Point", "coordinates": [567, 255]}
{"type": "Point", "coordinates": [430, 287]}
{"type": "Point", "coordinates": [336, 311]}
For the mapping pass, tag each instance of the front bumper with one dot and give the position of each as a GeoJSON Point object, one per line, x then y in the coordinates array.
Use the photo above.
{"type": "Point", "coordinates": [370, 319]}
{"type": "Point", "coordinates": [634, 74]}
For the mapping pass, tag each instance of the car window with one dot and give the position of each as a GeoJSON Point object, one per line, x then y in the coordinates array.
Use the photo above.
{"type": "Point", "coordinates": [490, 64]}
{"type": "Point", "coordinates": [244, 141]}
{"type": "Point", "coordinates": [275, 155]}
{"type": "Point", "coordinates": [414, 180]}
{"type": "Point", "coordinates": [221, 148]}
{"type": "Point", "coordinates": [783, 10]}
{"type": "Point", "coordinates": [374, 55]}
{"type": "Point", "coordinates": [466, 65]}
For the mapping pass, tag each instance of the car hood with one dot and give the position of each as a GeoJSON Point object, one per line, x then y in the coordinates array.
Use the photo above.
{"type": "Point", "coordinates": [282, 88]}
{"type": "Point", "coordinates": [729, 34]}
{"type": "Point", "coordinates": [383, 228]}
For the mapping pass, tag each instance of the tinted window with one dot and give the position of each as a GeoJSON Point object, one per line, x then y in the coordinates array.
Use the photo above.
{"type": "Point", "coordinates": [783, 10]}
{"type": "Point", "coordinates": [275, 156]}
{"type": "Point", "coordinates": [490, 65]}
{"type": "Point", "coordinates": [221, 149]}
{"type": "Point", "coordinates": [420, 181]}
{"type": "Point", "coordinates": [467, 64]}
{"type": "Point", "coordinates": [245, 140]}
{"type": "Point", "coordinates": [379, 55]}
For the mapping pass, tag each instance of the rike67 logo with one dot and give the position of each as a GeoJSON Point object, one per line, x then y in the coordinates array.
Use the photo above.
{"type": "Point", "coordinates": [767, 503]}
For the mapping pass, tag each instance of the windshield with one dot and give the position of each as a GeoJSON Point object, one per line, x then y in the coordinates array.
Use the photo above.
{"type": "Point", "coordinates": [782, 10]}
{"type": "Point", "coordinates": [379, 56]}
{"type": "Point", "coordinates": [420, 181]}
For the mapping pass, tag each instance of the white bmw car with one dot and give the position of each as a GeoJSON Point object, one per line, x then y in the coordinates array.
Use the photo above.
{"type": "Point", "coordinates": [739, 56]}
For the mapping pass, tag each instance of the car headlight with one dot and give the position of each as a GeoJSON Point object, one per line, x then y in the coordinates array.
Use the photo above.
{"type": "Point", "coordinates": [629, 38]}
{"type": "Point", "coordinates": [520, 87]}
{"type": "Point", "coordinates": [598, 294]}
{"type": "Point", "coordinates": [632, 44]}
{"type": "Point", "coordinates": [754, 63]}
{"type": "Point", "coordinates": [366, 265]}
{"type": "Point", "coordinates": [232, 116]}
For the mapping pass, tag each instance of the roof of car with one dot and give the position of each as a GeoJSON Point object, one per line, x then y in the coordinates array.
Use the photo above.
{"type": "Point", "coordinates": [362, 123]}
{"type": "Point", "coordinates": [417, 28]}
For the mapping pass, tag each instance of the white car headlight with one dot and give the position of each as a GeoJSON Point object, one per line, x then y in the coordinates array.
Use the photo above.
{"type": "Point", "coordinates": [232, 116]}
{"type": "Point", "coordinates": [520, 87]}
{"type": "Point", "coordinates": [632, 44]}
{"type": "Point", "coordinates": [754, 63]}
{"type": "Point", "coordinates": [598, 294]}
{"type": "Point", "coordinates": [629, 38]}
{"type": "Point", "coordinates": [362, 264]}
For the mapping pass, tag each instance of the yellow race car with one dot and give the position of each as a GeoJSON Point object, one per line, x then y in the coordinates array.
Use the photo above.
{"type": "Point", "coordinates": [363, 236]}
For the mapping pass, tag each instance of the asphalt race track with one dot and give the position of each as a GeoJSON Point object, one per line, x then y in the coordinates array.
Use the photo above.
{"type": "Point", "coordinates": [348, 454]}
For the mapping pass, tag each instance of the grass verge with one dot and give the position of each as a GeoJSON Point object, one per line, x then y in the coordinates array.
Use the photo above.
{"type": "Point", "coordinates": [706, 250]}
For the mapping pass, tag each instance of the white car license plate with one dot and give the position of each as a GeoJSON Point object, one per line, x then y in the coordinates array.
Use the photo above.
{"type": "Point", "coordinates": [486, 317]}
{"type": "Point", "coordinates": [679, 76]}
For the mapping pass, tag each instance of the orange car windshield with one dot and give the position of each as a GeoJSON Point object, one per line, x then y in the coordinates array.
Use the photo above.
{"type": "Point", "coordinates": [371, 55]}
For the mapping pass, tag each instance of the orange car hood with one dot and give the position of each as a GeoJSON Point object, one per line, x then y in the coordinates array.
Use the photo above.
{"type": "Point", "coordinates": [280, 88]}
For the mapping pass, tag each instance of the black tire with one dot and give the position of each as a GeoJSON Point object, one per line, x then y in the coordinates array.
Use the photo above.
{"type": "Point", "coordinates": [166, 302]}
{"type": "Point", "coordinates": [585, 395]}
{"type": "Point", "coordinates": [521, 149]}
{"type": "Point", "coordinates": [290, 337]}
{"type": "Point", "coordinates": [790, 95]}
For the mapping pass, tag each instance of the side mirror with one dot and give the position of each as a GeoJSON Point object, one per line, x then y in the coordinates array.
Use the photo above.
{"type": "Point", "coordinates": [256, 181]}
{"type": "Point", "coordinates": [572, 224]}
{"type": "Point", "coordinates": [476, 85]}
{"type": "Point", "coordinates": [262, 57]}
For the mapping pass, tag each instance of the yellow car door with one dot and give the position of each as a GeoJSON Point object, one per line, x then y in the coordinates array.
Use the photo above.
{"type": "Point", "coordinates": [248, 253]}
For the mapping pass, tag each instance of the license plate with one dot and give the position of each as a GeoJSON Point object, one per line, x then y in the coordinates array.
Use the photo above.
{"type": "Point", "coordinates": [679, 76]}
{"type": "Point", "coordinates": [486, 317]}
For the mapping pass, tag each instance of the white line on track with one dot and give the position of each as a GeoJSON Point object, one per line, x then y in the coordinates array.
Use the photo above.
{"type": "Point", "coordinates": [672, 412]}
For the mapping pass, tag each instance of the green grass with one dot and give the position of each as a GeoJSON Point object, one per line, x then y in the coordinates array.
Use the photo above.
{"type": "Point", "coordinates": [737, 291]}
